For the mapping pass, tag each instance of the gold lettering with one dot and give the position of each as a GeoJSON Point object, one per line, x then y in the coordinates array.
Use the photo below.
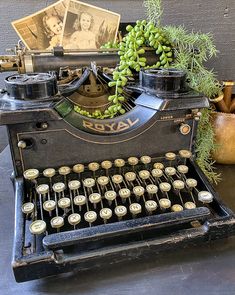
{"type": "Point", "coordinates": [132, 123]}
{"type": "Point", "coordinates": [87, 124]}
{"type": "Point", "coordinates": [122, 126]}
{"type": "Point", "coordinates": [111, 126]}
{"type": "Point", "coordinates": [100, 127]}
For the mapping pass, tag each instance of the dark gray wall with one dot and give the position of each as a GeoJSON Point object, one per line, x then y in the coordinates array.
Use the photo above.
{"type": "Point", "coordinates": [215, 16]}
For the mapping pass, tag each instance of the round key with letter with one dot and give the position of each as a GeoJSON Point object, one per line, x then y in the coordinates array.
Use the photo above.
{"type": "Point", "coordinates": [135, 209]}
{"type": "Point", "coordinates": [185, 154]}
{"type": "Point", "coordinates": [42, 189]}
{"type": "Point", "coordinates": [103, 180]}
{"type": "Point", "coordinates": [78, 168]}
{"type": "Point", "coordinates": [64, 203]}
{"type": "Point", "coordinates": [205, 197]}
{"type": "Point", "coordinates": [74, 185]}
{"type": "Point", "coordinates": [151, 189]}
{"type": "Point", "coordinates": [157, 173]}
{"type": "Point", "coordinates": [64, 170]}
{"type": "Point", "coordinates": [58, 187]}
{"type": "Point", "coordinates": [80, 200]}
{"type": "Point", "coordinates": [31, 174]}
{"type": "Point", "coordinates": [37, 227]}
{"type": "Point", "coordinates": [191, 182]}
{"type": "Point", "coordinates": [138, 191]}
{"type": "Point", "coordinates": [165, 186]}
{"type": "Point", "coordinates": [119, 163]}
{"type": "Point", "coordinates": [177, 208]}
{"type": "Point", "coordinates": [120, 211]}
{"type": "Point", "coordinates": [133, 161]}
{"type": "Point", "coordinates": [89, 182]}
{"type": "Point", "coordinates": [57, 222]}
{"type": "Point", "coordinates": [117, 178]}
{"type": "Point", "coordinates": [74, 219]}
{"type": "Point", "coordinates": [90, 217]}
{"type": "Point", "coordinates": [94, 166]}
{"type": "Point", "coordinates": [49, 172]}
{"type": "Point", "coordinates": [178, 184]}
{"type": "Point", "coordinates": [105, 214]}
{"type": "Point", "coordinates": [145, 160]}
{"type": "Point", "coordinates": [170, 171]}
{"type": "Point", "coordinates": [158, 165]}
{"type": "Point", "coordinates": [124, 193]}
{"type": "Point", "coordinates": [106, 164]}
{"type": "Point", "coordinates": [95, 198]}
{"type": "Point", "coordinates": [27, 208]}
{"type": "Point", "coordinates": [190, 205]}
{"type": "Point", "coordinates": [150, 206]}
{"type": "Point", "coordinates": [164, 203]}
{"type": "Point", "coordinates": [144, 174]}
{"type": "Point", "coordinates": [130, 176]}
{"type": "Point", "coordinates": [170, 156]}
{"type": "Point", "coordinates": [49, 205]}
{"type": "Point", "coordinates": [110, 196]}
{"type": "Point", "coordinates": [182, 169]}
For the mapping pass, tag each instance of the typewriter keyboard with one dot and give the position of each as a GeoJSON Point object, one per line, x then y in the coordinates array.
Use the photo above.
{"type": "Point", "coordinates": [88, 195]}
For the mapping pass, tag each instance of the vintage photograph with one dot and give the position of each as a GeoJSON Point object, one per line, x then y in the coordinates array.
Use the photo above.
{"type": "Point", "coordinates": [42, 30]}
{"type": "Point", "coordinates": [88, 27]}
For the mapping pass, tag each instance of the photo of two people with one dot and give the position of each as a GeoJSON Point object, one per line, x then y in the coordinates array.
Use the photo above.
{"type": "Point", "coordinates": [70, 23]}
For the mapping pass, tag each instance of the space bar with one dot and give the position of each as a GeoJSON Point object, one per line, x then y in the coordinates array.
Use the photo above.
{"type": "Point", "coordinates": [122, 228]}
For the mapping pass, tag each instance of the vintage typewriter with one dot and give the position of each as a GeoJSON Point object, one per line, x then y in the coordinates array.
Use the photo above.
{"type": "Point", "coordinates": [93, 192]}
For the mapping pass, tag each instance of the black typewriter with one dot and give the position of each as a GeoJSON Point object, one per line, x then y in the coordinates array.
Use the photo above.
{"type": "Point", "coordinates": [93, 192]}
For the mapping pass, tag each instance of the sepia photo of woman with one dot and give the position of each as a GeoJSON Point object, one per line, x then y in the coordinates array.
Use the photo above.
{"type": "Point", "coordinates": [88, 27]}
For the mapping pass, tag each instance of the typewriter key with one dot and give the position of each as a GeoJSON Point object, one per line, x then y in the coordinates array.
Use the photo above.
{"type": "Point", "coordinates": [151, 189]}
{"type": "Point", "coordinates": [185, 154]}
{"type": "Point", "coordinates": [170, 156]}
{"type": "Point", "coordinates": [191, 182]}
{"type": "Point", "coordinates": [158, 165]}
{"type": "Point", "coordinates": [94, 166]}
{"type": "Point", "coordinates": [58, 187]}
{"type": "Point", "coordinates": [31, 174]}
{"type": "Point", "coordinates": [130, 176]}
{"type": "Point", "coordinates": [89, 182]}
{"type": "Point", "coordinates": [133, 161]}
{"type": "Point", "coordinates": [90, 216]}
{"type": "Point", "coordinates": [106, 164]}
{"type": "Point", "coordinates": [189, 205]}
{"type": "Point", "coordinates": [105, 213]}
{"type": "Point", "coordinates": [124, 193]}
{"type": "Point", "coordinates": [145, 160]}
{"type": "Point", "coordinates": [49, 172]}
{"type": "Point", "coordinates": [177, 208]}
{"type": "Point", "coordinates": [120, 211]}
{"type": "Point", "coordinates": [79, 201]}
{"type": "Point", "coordinates": [27, 208]}
{"type": "Point", "coordinates": [37, 227]}
{"type": "Point", "coordinates": [150, 206]}
{"type": "Point", "coordinates": [78, 168]}
{"type": "Point", "coordinates": [135, 209]}
{"type": "Point", "coordinates": [42, 189]}
{"type": "Point", "coordinates": [119, 163]}
{"type": "Point", "coordinates": [117, 178]}
{"type": "Point", "coordinates": [57, 222]}
{"type": "Point", "coordinates": [64, 170]}
{"type": "Point", "coordinates": [49, 205]}
{"type": "Point", "coordinates": [178, 184]}
{"type": "Point", "coordinates": [157, 173]}
{"type": "Point", "coordinates": [164, 203]}
{"type": "Point", "coordinates": [95, 198]}
{"type": "Point", "coordinates": [138, 191]}
{"type": "Point", "coordinates": [64, 203]}
{"type": "Point", "coordinates": [103, 180]}
{"type": "Point", "coordinates": [165, 186]}
{"type": "Point", "coordinates": [110, 196]}
{"type": "Point", "coordinates": [74, 184]}
{"type": "Point", "coordinates": [205, 197]}
{"type": "Point", "coordinates": [170, 171]}
{"type": "Point", "coordinates": [144, 174]}
{"type": "Point", "coordinates": [182, 169]}
{"type": "Point", "coordinates": [74, 218]}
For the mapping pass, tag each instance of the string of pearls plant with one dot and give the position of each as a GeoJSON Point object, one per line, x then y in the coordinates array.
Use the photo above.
{"type": "Point", "coordinates": [132, 51]}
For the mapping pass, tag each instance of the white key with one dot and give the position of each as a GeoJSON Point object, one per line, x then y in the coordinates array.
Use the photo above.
{"type": "Point", "coordinates": [170, 171]}
{"type": "Point", "coordinates": [106, 164]}
{"type": "Point", "coordinates": [170, 156]}
{"type": "Point", "coordinates": [119, 163]}
{"type": "Point", "coordinates": [89, 182]}
{"type": "Point", "coordinates": [165, 186]}
{"type": "Point", "coordinates": [135, 208]}
{"type": "Point", "coordinates": [185, 154]}
{"type": "Point", "coordinates": [79, 200]}
{"type": "Point", "coordinates": [133, 161]}
{"type": "Point", "coordinates": [58, 187]}
{"type": "Point", "coordinates": [191, 182]}
{"type": "Point", "coordinates": [124, 193]}
{"type": "Point", "coordinates": [151, 189]}
{"type": "Point", "coordinates": [177, 208]}
{"type": "Point", "coordinates": [103, 180]}
{"type": "Point", "coordinates": [157, 172]}
{"type": "Point", "coordinates": [110, 195]}
{"type": "Point", "coordinates": [78, 168]}
{"type": "Point", "coordinates": [165, 203]}
{"type": "Point", "coordinates": [95, 198]}
{"type": "Point", "coordinates": [37, 227]}
{"type": "Point", "coordinates": [49, 172]}
{"type": "Point", "coordinates": [117, 179]}
{"type": "Point", "coordinates": [49, 205]}
{"type": "Point", "coordinates": [145, 159]}
{"type": "Point", "coordinates": [64, 203]}
{"type": "Point", "coordinates": [205, 197]}
{"type": "Point", "coordinates": [178, 184]}
{"type": "Point", "coordinates": [150, 205]}
{"type": "Point", "coordinates": [74, 218]}
{"type": "Point", "coordinates": [105, 213]}
{"type": "Point", "coordinates": [27, 208]}
{"type": "Point", "coordinates": [144, 174]}
{"type": "Point", "coordinates": [57, 222]}
{"type": "Point", "coordinates": [74, 184]}
{"type": "Point", "coordinates": [189, 205]}
{"type": "Point", "coordinates": [94, 166]}
{"type": "Point", "coordinates": [90, 216]}
{"type": "Point", "coordinates": [120, 211]}
{"type": "Point", "coordinates": [130, 176]}
{"type": "Point", "coordinates": [138, 191]}
{"type": "Point", "coordinates": [64, 170]}
{"type": "Point", "coordinates": [31, 174]}
{"type": "Point", "coordinates": [158, 165]}
{"type": "Point", "coordinates": [42, 189]}
{"type": "Point", "coordinates": [182, 169]}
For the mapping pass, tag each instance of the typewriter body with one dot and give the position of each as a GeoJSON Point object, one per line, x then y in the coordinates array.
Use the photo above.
{"type": "Point", "coordinates": [95, 192]}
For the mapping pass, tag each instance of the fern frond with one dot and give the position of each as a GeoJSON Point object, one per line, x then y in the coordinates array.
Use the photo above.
{"type": "Point", "coordinates": [154, 11]}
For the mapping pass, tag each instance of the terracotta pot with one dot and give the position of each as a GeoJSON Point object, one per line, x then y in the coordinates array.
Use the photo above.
{"type": "Point", "coordinates": [224, 128]}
